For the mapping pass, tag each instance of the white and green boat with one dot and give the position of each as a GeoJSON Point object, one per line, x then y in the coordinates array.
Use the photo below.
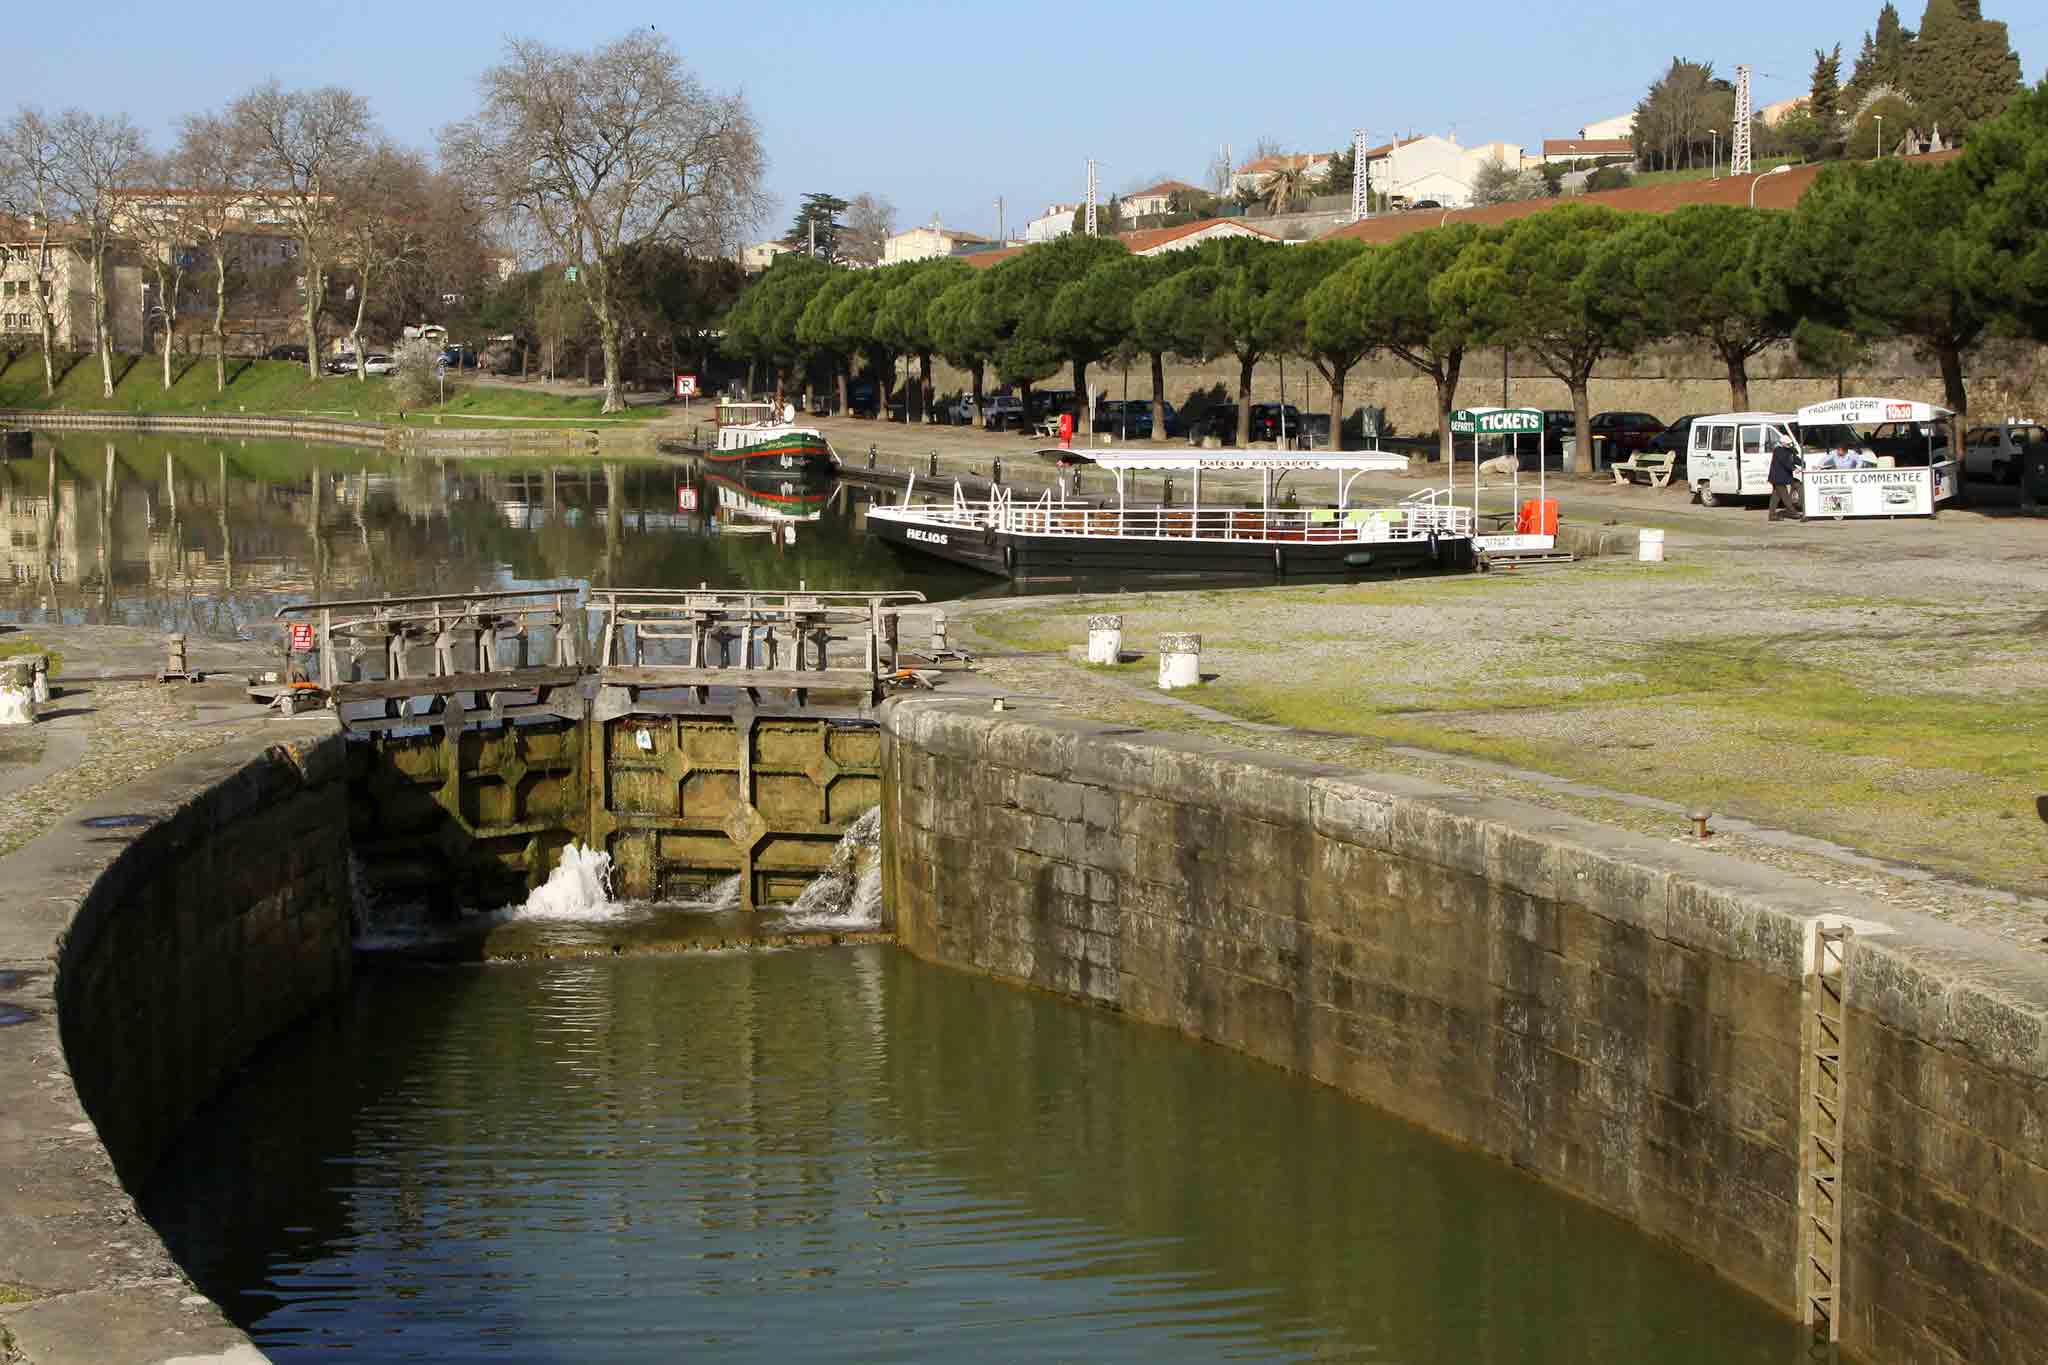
{"type": "Point", "coordinates": [759, 436]}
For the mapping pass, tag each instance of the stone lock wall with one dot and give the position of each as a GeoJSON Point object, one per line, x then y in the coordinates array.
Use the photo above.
{"type": "Point", "coordinates": [1621, 1017]}
{"type": "Point", "coordinates": [220, 922]}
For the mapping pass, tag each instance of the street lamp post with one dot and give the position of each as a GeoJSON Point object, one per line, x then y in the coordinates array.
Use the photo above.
{"type": "Point", "coordinates": [1779, 169]}
{"type": "Point", "coordinates": [1715, 172]}
{"type": "Point", "coordinates": [1880, 137]}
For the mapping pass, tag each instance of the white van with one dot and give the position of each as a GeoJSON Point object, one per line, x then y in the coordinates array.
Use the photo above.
{"type": "Point", "coordinates": [1730, 454]}
{"type": "Point", "coordinates": [1843, 474]}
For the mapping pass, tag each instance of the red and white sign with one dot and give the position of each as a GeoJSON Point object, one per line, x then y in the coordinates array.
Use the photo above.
{"type": "Point", "coordinates": [686, 386]}
{"type": "Point", "coordinates": [302, 636]}
{"type": "Point", "coordinates": [686, 497]}
{"type": "Point", "coordinates": [1067, 429]}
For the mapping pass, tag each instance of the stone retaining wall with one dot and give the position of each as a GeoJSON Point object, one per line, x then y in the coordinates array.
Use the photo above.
{"type": "Point", "coordinates": [154, 941]}
{"type": "Point", "coordinates": [1619, 1016]}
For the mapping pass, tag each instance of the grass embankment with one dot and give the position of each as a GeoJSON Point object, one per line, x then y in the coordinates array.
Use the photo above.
{"type": "Point", "coordinates": [1909, 729]}
{"type": "Point", "coordinates": [13, 646]}
{"type": "Point", "coordinates": [283, 389]}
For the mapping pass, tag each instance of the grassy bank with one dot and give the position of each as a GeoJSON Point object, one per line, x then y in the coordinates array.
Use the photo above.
{"type": "Point", "coordinates": [283, 388]}
{"type": "Point", "coordinates": [1908, 725]}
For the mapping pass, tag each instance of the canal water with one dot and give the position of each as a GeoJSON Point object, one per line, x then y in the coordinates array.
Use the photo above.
{"type": "Point", "coordinates": [212, 536]}
{"type": "Point", "coordinates": [846, 1154]}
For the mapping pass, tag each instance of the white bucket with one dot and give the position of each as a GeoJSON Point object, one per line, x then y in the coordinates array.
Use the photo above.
{"type": "Point", "coordinates": [1105, 639]}
{"type": "Point", "coordinates": [1650, 545]}
{"type": "Point", "coordinates": [1180, 661]}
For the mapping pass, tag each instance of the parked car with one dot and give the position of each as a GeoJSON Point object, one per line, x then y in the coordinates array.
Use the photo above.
{"type": "Point", "coordinates": [458, 358]}
{"type": "Point", "coordinates": [860, 398]}
{"type": "Point", "coordinates": [375, 363]}
{"type": "Point", "coordinates": [1992, 454]}
{"type": "Point", "coordinates": [342, 362]}
{"type": "Point", "coordinates": [1219, 420]}
{"type": "Point", "coordinates": [1267, 424]}
{"type": "Point", "coordinates": [1051, 403]}
{"type": "Point", "coordinates": [1674, 439]}
{"type": "Point", "coordinates": [1910, 444]}
{"type": "Point", "coordinates": [1618, 435]}
{"type": "Point", "coordinates": [1557, 427]}
{"type": "Point", "coordinates": [297, 353]}
{"type": "Point", "coordinates": [1005, 412]}
{"type": "Point", "coordinates": [1131, 419]}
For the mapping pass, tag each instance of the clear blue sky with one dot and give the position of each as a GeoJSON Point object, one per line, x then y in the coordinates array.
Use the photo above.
{"type": "Point", "coordinates": [943, 107]}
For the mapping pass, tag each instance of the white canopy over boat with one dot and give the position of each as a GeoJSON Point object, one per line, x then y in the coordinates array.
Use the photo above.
{"type": "Point", "coordinates": [1870, 412]}
{"type": "Point", "coordinates": [1240, 461]}
{"type": "Point", "coordinates": [1271, 466]}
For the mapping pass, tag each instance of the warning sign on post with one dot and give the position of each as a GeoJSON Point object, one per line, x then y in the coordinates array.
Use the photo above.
{"type": "Point", "coordinates": [686, 497]}
{"type": "Point", "coordinates": [302, 637]}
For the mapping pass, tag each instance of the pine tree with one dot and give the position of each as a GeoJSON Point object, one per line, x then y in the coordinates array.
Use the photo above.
{"type": "Point", "coordinates": [1938, 15]}
{"type": "Point", "coordinates": [1864, 75]}
{"type": "Point", "coordinates": [1960, 70]}
{"type": "Point", "coordinates": [1893, 39]}
{"type": "Point", "coordinates": [824, 211]}
{"type": "Point", "coordinates": [1825, 95]}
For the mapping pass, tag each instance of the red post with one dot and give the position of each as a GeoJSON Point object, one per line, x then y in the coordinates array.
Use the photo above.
{"type": "Point", "coordinates": [1067, 429]}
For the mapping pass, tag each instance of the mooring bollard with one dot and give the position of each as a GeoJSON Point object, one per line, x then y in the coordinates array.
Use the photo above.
{"type": "Point", "coordinates": [1180, 661]}
{"type": "Point", "coordinates": [996, 470]}
{"type": "Point", "coordinates": [1106, 639]}
{"type": "Point", "coordinates": [17, 692]}
{"type": "Point", "coordinates": [935, 464]}
{"type": "Point", "coordinates": [871, 455]}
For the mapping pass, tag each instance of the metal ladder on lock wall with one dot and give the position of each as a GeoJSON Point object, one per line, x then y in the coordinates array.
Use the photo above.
{"type": "Point", "coordinates": [1820, 1122]}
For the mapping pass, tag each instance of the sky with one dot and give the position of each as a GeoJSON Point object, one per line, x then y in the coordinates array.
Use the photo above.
{"type": "Point", "coordinates": [942, 109]}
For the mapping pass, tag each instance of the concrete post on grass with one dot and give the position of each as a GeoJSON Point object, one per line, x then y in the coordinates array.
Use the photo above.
{"type": "Point", "coordinates": [1180, 661]}
{"type": "Point", "coordinates": [17, 692]}
{"type": "Point", "coordinates": [40, 664]}
{"type": "Point", "coordinates": [1105, 639]}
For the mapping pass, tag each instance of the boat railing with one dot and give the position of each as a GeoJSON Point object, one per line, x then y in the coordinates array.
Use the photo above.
{"type": "Point", "coordinates": [1416, 521]}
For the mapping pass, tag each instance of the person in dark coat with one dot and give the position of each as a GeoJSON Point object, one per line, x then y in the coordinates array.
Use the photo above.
{"type": "Point", "coordinates": [1784, 459]}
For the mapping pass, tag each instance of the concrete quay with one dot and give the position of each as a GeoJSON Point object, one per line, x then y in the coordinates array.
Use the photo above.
{"type": "Point", "coordinates": [149, 944]}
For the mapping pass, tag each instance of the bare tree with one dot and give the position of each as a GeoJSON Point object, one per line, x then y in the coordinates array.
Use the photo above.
{"type": "Point", "coordinates": [870, 222]}
{"type": "Point", "coordinates": [212, 162]}
{"type": "Point", "coordinates": [158, 219]}
{"type": "Point", "coordinates": [596, 151]}
{"type": "Point", "coordinates": [97, 158]}
{"type": "Point", "coordinates": [28, 191]}
{"type": "Point", "coordinates": [381, 226]}
{"type": "Point", "coordinates": [303, 145]}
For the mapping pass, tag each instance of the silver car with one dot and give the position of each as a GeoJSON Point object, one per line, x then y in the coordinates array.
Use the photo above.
{"type": "Point", "coordinates": [1992, 454]}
